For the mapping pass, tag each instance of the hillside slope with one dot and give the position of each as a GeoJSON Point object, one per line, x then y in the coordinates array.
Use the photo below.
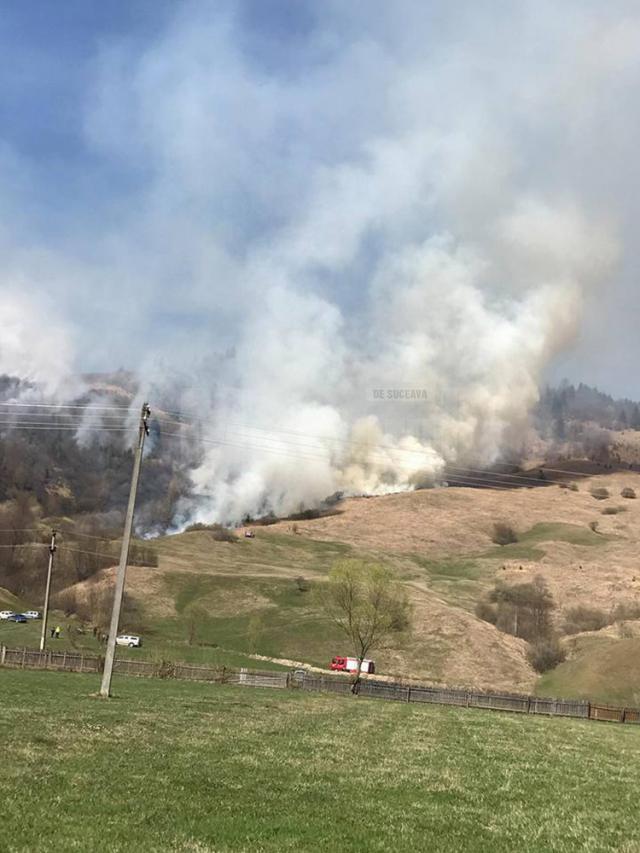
{"type": "Point", "coordinates": [257, 595]}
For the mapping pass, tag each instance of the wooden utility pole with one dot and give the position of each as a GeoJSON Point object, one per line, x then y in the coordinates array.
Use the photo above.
{"type": "Point", "coordinates": [143, 431]}
{"type": "Point", "coordinates": [47, 592]}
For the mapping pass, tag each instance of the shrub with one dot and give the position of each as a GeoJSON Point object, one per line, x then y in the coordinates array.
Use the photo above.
{"type": "Point", "coordinates": [582, 618]}
{"type": "Point", "coordinates": [503, 534]}
{"type": "Point", "coordinates": [593, 525]}
{"type": "Point", "coordinates": [65, 601]}
{"type": "Point", "coordinates": [546, 654]}
{"type": "Point", "coordinates": [302, 584]}
{"type": "Point", "coordinates": [263, 520]}
{"type": "Point", "coordinates": [626, 611]}
{"type": "Point", "coordinates": [219, 533]}
{"type": "Point", "coordinates": [628, 492]}
{"type": "Point", "coordinates": [487, 611]}
{"type": "Point", "coordinates": [599, 493]}
{"type": "Point", "coordinates": [572, 487]}
{"type": "Point", "coordinates": [223, 534]}
{"type": "Point", "coordinates": [141, 554]}
{"type": "Point", "coordinates": [523, 610]}
{"type": "Point", "coordinates": [613, 510]}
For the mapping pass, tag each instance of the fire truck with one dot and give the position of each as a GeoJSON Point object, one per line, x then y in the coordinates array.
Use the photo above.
{"type": "Point", "coordinates": [342, 664]}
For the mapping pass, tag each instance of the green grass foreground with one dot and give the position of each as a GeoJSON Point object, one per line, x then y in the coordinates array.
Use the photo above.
{"type": "Point", "coordinates": [193, 767]}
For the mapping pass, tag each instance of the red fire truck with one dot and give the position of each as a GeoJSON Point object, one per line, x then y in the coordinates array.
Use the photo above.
{"type": "Point", "coordinates": [343, 664]}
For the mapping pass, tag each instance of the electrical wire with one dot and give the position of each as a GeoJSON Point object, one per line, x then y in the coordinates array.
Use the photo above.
{"type": "Point", "coordinates": [383, 449]}
{"type": "Point", "coordinates": [488, 478]}
{"type": "Point", "coordinates": [65, 406]}
{"type": "Point", "coordinates": [471, 481]}
{"type": "Point", "coordinates": [90, 536]}
{"type": "Point", "coordinates": [113, 557]}
{"type": "Point", "coordinates": [58, 428]}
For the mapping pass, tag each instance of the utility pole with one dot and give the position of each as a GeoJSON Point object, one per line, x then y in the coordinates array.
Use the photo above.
{"type": "Point", "coordinates": [143, 431]}
{"type": "Point", "coordinates": [47, 592]}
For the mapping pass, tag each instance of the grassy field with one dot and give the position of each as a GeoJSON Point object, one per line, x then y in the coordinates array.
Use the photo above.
{"type": "Point", "coordinates": [266, 554]}
{"type": "Point", "coordinates": [603, 669]}
{"type": "Point", "coordinates": [529, 544]}
{"type": "Point", "coordinates": [190, 767]}
{"type": "Point", "coordinates": [167, 641]}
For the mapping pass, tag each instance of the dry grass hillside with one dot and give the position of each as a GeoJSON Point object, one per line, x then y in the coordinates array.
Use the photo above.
{"type": "Point", "coordinates": [255, 596]}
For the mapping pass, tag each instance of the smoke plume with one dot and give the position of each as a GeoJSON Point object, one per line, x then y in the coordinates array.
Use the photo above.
{"type": "Point", "coordinates": [350, 240]}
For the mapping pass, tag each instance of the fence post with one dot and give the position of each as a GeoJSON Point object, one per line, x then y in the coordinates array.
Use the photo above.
{"type": "Point", "coordinates": [24, 654]}
{"type": "Point", "coordinates": [3, 654]}
{"type": "Point", "coordinates": [409, 693]}
{"type": "Point", "coordinates": [64, 659]}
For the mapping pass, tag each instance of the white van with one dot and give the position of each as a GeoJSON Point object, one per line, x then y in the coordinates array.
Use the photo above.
{"type": "Point", "coordinates": [131, 640]}
{"type": "Point", "coordinates": [4, 614]}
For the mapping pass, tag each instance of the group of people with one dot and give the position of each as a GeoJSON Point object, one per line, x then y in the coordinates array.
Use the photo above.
{"type": "Point", "coordinates": [55, 632]}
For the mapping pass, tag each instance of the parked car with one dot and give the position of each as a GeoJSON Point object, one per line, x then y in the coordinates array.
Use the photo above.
{"type": "Point", "coordinates": [131, 640]}
{"type": "Point", "coordinates": [32, 614]}
{"type": "Point", "coordinates": [17, 617]}
{"type": "Point", "coordinates": [5, 614]}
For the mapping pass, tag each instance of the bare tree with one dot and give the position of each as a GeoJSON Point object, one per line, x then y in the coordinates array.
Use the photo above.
{"type": "Point", "coordinates": [197, 615]}
{"type": "Point", "coordinates": [367, 603]}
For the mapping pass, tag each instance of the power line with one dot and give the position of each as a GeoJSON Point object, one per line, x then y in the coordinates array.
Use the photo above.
{"type": "Point", "coordinates": [91, 536]}
{"type": "Point", "coordinates": [76, 425]}
{"type": "Point", "coordinates": [65, 406]}
{"type": "Point", "coordinates": [88, 553]}
{"type": "Point", "coordinates": [457, 479]}
{"type": "Point", "coordinates": [60, 533]}
{"type": "Point", "coordinates": [381, 453]}
{"type": "Point", "coordinates": [20, 530]}
{"type": "Point", "coordinates": [490, 478]}
{"type": "Point", "coordinates": [49, 416]}
{"type": "Point", "coordinates": [187, 420]}
{"type": "Point", "coordinates": [58, 428]}
{"type": "Point", "coordinates": [345, 442]}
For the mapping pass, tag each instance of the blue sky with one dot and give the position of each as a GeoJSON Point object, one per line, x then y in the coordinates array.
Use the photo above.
{"type": "Point", "coordinates": [165, 166]}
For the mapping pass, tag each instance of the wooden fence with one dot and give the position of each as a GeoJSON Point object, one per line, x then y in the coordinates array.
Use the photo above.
{"type": "Point", "coordinates": [394, 691]}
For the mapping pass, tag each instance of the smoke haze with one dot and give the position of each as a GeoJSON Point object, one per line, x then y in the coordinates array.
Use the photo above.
{"type": "Point", "coordinates": [285, 208]}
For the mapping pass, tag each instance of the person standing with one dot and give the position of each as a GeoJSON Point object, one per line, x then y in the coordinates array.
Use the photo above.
{"type": "Point", "coordinates": [57, 632]}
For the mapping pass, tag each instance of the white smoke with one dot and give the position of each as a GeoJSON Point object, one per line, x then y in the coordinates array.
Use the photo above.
{"type": "Point", "coordinates": [35, 346]}
{"type": "Point", "coordinates": [299, 420]}
{"type": "Point", "coordinates": [405, 199]}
